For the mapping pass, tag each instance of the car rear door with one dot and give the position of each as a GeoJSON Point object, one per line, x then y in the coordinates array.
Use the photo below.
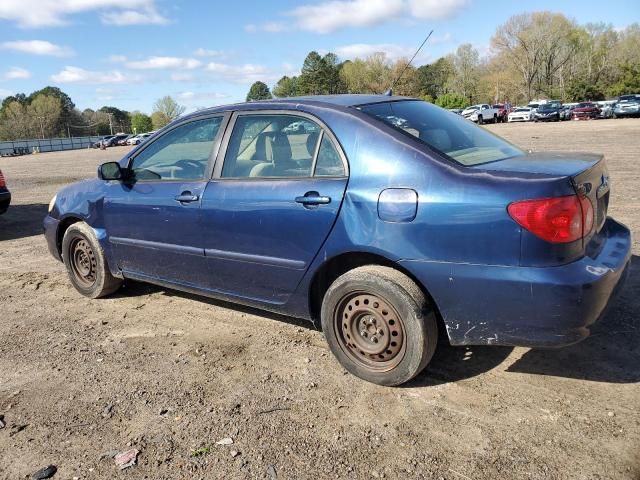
{"type": "Point", "coordinates": [152, 218]}
{"type": "Point", "coordinates": [274, 197]}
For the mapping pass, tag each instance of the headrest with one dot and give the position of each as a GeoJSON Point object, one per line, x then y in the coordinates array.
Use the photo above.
{"type": "Point", "coordinates": [312, 141]}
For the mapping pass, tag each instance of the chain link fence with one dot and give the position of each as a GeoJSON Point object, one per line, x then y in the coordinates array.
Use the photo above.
{"type": "Point", "coordinates": [26, 147]}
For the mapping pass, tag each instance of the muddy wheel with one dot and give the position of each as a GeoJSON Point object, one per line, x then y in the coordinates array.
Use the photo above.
{"type": "Point", "coordinates": [86, 263]}
{"type": "Point", "coordinates": [379, 325]}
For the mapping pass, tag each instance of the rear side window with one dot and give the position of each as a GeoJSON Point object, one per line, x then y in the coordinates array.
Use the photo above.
{"type": "Point", "coordinates": [329, 162]}
{"type": "Point", "coordinates": [181, 154]}
{"type": "Point", "coordinates": [279, 146]}
{"type": "Point", "coordinates": [451, 134]}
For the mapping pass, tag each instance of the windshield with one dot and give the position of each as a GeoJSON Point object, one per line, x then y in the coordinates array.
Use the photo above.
{"type": "Point", "coordinates": [448, 133]}
{"type": "Point", "coordinates": [521, 110]}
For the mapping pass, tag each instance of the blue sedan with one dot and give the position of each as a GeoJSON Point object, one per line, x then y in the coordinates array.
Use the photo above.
{"type": "Point", "coordinates": [387, 219]}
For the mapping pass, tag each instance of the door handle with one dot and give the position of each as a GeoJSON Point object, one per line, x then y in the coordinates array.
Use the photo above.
{"type": "Point", "coordinates": [313, 198]}
{"type": "Point", "coordinates": [186, 197]}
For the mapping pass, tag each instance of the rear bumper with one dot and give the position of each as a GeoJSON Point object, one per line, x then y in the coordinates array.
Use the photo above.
{"type": "Point", "coordinates": [51, 235]}
{"type": "Point", "coordinates": [5, 200]}
{"type": "Point", "coordinates": [527, 306]}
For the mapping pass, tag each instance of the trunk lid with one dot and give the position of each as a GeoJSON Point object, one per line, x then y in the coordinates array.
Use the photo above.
{"type": "Point", "coordinates": [586, 172]}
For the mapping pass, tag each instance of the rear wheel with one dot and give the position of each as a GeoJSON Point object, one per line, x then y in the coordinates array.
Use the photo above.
{"type": "Point", "coordinates": [379, 325]}
{"type": "Point", "coordinates": [86, 264]}
{"type": "Point", "coordinates": [495, 118]}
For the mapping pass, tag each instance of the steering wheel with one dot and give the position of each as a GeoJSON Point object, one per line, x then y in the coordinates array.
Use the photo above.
{"type": "Point", "coordinates": [191, 166]}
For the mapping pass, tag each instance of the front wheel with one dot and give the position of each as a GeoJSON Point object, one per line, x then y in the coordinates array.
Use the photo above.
{"type": "Point", "coordinates": [480, 120]}
{"type": "Point", "coordinates": [379, 325]}
{"type": "Point", "coordinates": [86, 264]}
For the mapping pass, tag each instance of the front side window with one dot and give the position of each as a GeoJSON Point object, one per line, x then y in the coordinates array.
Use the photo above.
{"type": "Point", "coordinates": [448, 133]}
{"type": "Point", "coordinates": [181, 154]}
{"type": "Point", "coordinates": [263, 146]}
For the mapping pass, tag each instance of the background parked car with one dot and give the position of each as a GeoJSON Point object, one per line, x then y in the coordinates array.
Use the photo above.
{"type": "Point", "coordinates": [481, 113]}
{"type": "Point", "coordinates": [585, 110]}
{"type": "Point", "coordinates": [138, 139]}
{"type": "Point", "coordinates": [5, 195]}
{"type": "Point", "coordinates": [503, 111]}
{"type": "Point", "coordinates": [123, 141]}
{"type": "Point", "coordinates": [547, 112]}
{"type": "Point", "coordinates": [565, 111]}
{"type": "Point", "coordinates": [520, 114]}
{"type": "Point", "coordinates": [455, 110]}
{"type": "Point", "coordinates": [113, 141]}
{"type": "Point", "coordinates": [627, 106]}
{"type": "Point", "coordinates": [104, 139]}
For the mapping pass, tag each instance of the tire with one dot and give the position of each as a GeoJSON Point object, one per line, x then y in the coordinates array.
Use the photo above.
{"type": "Point", "coordinates": [379, 325]}
{"type": "Point", "coordinates": [86, 264]}
{"type": "Point", "coordinates": [495, 118]}
{"type": "Point", "coordinates": [480, 120]}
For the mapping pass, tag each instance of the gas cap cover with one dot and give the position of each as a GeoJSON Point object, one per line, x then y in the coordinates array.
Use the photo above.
{"type": "Point", "coordinates": [397, 205]}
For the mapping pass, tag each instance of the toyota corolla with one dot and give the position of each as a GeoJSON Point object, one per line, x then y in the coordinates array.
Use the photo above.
{"type": "Point", "coordinates": [385, 219]}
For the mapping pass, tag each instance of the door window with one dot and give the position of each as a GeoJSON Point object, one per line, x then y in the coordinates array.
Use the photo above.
{"type": "Point", "coordinates": [271, 146]}
{"type": "Point", "coordinates": [181, 154]}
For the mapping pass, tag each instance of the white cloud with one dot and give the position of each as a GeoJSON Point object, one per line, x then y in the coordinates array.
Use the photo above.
{"type": "Point", "coordinates": [72, 74]}
{"type": "Point", "coordinates": [203, 52]}
{"type": "Point", "coordinates": [165, 63]}
{"type": "Point", "coordinates": [116, 58]}
{"type": "Point", "coordinates": [146, 16]}
{"type": "Point", "coordinates": [328, 16]}
{"type": "Point", "coordinates": [435, 9]}
{"type": "Point", "coordinates": [246, 73]}
{"type": "Point", "coordinates": [37, 47]}
{"type": "Point", "coordinates": [45, 13]}
{"type": "Point", "coordinates": [5, 93]}
{"type": "Point", "coordinates": [17, 73]}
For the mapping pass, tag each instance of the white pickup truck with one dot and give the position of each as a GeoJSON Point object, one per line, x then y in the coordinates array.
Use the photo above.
{"type": "Point", "coordinates": [481, 113]}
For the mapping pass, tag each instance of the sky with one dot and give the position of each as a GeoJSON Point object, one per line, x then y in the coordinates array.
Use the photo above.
{"type": "Point", "coordinates": [128, 53]}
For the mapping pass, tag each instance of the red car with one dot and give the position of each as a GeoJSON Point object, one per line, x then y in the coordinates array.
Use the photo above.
{"type": "Point", "coordinates": [5, 195]}
{"type": "Point", "coordinates": [585, 111]}
{"type": "Point", "coordinates": [504, 109]}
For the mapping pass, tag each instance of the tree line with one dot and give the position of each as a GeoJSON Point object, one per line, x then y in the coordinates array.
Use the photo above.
{"type": "Point", "coordinates": [532, 55]}
{"type": "Point", "coordinates": [50, 113]}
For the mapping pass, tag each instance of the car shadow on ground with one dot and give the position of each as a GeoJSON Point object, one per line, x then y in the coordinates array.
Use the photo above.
{"type": "Point", "coordinates": [22, 221]}
{"type": "Point", "coordinates": [610, 354]}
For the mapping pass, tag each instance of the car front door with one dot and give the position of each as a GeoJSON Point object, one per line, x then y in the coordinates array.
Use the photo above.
{"type": "Point", "coordinates": [271, 204]}
{"type": "Point", "coordinates": [152, 217]}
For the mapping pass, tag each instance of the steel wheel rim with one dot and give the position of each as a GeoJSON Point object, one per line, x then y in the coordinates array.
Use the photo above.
{"type": "Point", "coordinates": [83, 262]}
{"type": "Point", "coordinates": [370, 331]}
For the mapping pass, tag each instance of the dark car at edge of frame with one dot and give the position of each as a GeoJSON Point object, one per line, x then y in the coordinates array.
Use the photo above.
{"type": "Point", "coordinates": [386, 219]}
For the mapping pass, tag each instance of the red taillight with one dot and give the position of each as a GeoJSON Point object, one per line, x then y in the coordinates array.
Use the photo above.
{"type": "Point", "coordinates": [3, 184]}
{"type": "Point", "coordinates": [556, 220]}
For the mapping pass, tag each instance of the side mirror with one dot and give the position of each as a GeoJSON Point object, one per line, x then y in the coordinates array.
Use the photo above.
{"type": "Point", "coordinates": [110, 171]}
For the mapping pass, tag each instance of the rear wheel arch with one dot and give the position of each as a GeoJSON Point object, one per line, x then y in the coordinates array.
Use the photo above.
{"type": "Point", "coordinates": [336, 266]}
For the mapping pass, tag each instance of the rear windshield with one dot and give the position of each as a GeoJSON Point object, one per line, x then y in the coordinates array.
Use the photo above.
{"type": "Point", "coordinates": [444, 131]}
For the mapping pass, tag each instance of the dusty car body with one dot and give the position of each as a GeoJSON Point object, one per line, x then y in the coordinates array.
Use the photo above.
{"type": "Point", "coordinates": [392, 220]}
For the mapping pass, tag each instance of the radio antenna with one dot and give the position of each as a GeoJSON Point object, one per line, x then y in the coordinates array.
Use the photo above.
{"type": "Point", "coordinates": [393, 84]}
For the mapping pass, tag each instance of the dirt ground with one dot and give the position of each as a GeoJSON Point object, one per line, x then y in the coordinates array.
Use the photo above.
{"type": "Point", "coordinates": [171, 374]}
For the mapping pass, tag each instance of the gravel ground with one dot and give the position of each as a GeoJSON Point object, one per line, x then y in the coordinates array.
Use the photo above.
{"type": "Point", "coordinates": [171, 374]}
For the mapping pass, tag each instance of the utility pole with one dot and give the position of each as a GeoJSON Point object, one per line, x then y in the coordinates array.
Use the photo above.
{"type": "Point", "coordinates": [110, 123]}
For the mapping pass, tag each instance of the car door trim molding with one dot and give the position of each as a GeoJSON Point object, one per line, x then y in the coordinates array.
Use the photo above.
{"type": "Point", "coordinates": [167, 247]}
{"type": "Point", "coordinates": [259, 259]}
{"type": "Point", "coordinates": [324, 129]}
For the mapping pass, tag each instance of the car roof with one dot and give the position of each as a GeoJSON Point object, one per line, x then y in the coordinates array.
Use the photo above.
{"type": "Point", "coordinates": [330, 101]}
